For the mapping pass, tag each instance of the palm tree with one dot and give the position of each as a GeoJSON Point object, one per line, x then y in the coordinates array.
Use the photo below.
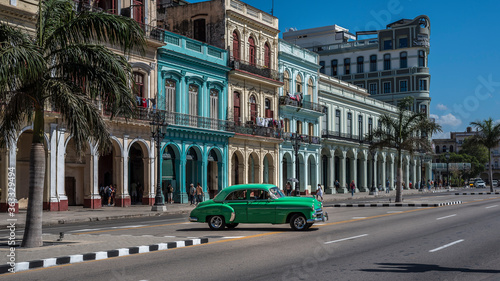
{"type": "Point", "coordinates": [63, 64]}
{"type": "Point", "coordinates": [489, 136]}
{"type": "Point", "coordinates": [406, 131]}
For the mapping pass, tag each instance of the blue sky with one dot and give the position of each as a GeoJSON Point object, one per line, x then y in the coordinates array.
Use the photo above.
{"type": "Point", "coordinates": [464, 60]}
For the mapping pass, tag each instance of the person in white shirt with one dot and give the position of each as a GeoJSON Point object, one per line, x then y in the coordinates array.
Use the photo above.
{"type": "Point", "coordinates": [319, 192]}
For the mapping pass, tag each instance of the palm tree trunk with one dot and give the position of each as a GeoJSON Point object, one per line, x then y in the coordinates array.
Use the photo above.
{"type": "Point", "coordinates": [399, 176]}
{"type": "Point", "coordinates": [33, 230]}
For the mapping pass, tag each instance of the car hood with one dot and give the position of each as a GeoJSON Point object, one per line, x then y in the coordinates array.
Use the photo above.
{"type": "Point", "coordinates": [308, 201]}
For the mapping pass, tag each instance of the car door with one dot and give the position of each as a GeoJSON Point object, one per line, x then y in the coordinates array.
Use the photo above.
{"type": "Point", "coordinates": [238, 201]}
{"type": "Point", "coordinates": [261, 208]}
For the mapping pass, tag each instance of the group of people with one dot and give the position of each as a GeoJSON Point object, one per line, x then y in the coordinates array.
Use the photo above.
{"type": "Point", "coordinates": [136, 192]}
{"type": "Point", "coordinates": [107, 193]}
{"type": "Point", "coordinates": [195, 194]}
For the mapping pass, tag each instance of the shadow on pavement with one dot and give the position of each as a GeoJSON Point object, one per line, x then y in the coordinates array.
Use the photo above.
{"type": "Point", "coordinates": [420, 268]}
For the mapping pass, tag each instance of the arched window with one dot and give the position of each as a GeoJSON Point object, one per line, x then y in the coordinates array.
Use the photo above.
{"type": "Point", "coordinates": [421, 58]}
{"type": "Point", "coordinates": [360, 64]}
{"type": "Point", "coordinates": [214, 104]}
{"type": "Point", "coordinates": [444, 148]}
{"type": "Point", "coordinates": [253, 108]}
{"type": "Point", "coordinates": [139, 84]}
{"type": "Point", "coordinates": [237, 107]}
{"type": "Point", "coordinates": [251, 51]}
{"type": "Point", "coordinates": [403, 60]}
{"type": "Point", "coordinates": [387, 62]}
{"type": "Point", "coordinates": [170, 89]}
{"type": "Point", "coordinates": [298, 84]}
{"type": "Point", "coordinates": [286, 82]}
{"type": "Point", "coordinates": [267, 56]}
{"type": "Point", "coordinates": [310, 87]}
{"type": "Point", "coordinates": [236, 46]}
{"type": "Point", "coordinates": [193, 99]}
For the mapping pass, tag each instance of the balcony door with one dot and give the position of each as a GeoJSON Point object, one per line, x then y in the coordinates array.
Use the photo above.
{"type": "Point", "coordinates": [237, 107]}
{"type": "Point", "coordinates": [139, 11]}
{"type": "Point", "coordinates": [251, 51]}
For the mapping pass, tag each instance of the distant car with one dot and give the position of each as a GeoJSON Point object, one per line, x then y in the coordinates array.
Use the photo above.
{"type": "Point", "coordinates": [495, 183]}
{"type": "Point", "coordinates": [479, 184]}
{"type": "Point", "coordinates": [258, 203]}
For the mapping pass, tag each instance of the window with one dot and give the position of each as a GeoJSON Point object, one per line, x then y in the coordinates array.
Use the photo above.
{"type": "Point", "coordinates": [287, 125]}
{"type": "Point", "coordinates": [360, 127]}
{"type": "Point", "coordinates": [349, 124]}
{"type": "Point", "coordinates": [403, 42]}
{"type": "Point", "coordinates": [334, 67]}
{"type": "Point", "coordinates": [237, 195]}
{"type": "Point", "coordinates": [337, 120]}
{"type": "Point", "coordinates": [170, 95]}
{"type": "Point", "coordinates": [253, 108]}
{"type": "Point", "coordinates": [421, 58]}
{"type": "Point", "coordinates": [437, 148]}
{"type": "Point", "coordinates": [444, 148]}
{"type": "Point", "coordinates": [107, 6]}
{"type": "Point", "coordinates": [373, 63]}
{"type": "Point", "coordinates": [310, 129]}
{"type": "Point", "coordinates": [138, 8]}
{"type": "Point", "coordinates": [286, 82]}
{"type": "Point", "coordinates": [387, 62]}
{"type": "Point", "coordinates": [267, 56]}
{"type": "Point", "coordinates": [251, 51]}
{"type": "Point", "coordinates": [214, 104]}
{"type": "Point", "coordinates": [451, 148]}
{"type": "Point", "coordinates": [199, 27]}
{"type": "Point", "coordinates": [403, 60]}
{"type": "Point", "coordinates": [298, 84]}
{"type": "Point", "coordinates": [237, 107]}
{"type": "Point", "coordinates": [139, 85]}
{"type": "Point", "coordinates": [422, 85]}
{"type": "Point", "coordinates": [310, 88]}
{"type": "Point", "coordinates": [388, 44]}
{"type": "Point", "coordinates": [423, 108]}
{"type": "Point", "coordinates": [193, 99]}
{"type": "Point", "coordinates": [236, 46]}
{"type": "Point", "coordinates": [347, 66]}
{"type": "Point", "coordinates": [324, 121]}
{"type": "Point", "coordinates": [360, 64]}
{"type": "Point", "coordinates": [269, 110]}
{"type": "Point", "coordinates": [322, 69]}
{"type": "Point", "coordinates": [370, 125]}
{"type": "Point", "coordinates": [299, 127]}
{"type": "Point", "coordinates": [373, 89]}
{"type": "Point", "coordinates": [403, 85]}
{"type": "Point", "coordinates": [387, 87]}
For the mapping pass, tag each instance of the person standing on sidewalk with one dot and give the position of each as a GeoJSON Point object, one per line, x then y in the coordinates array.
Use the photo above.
{"type": "Point", "coordinates": [170, 194]}
{"type": "Point", "coordinates": [199, 194]}
{"type": "Point", "coordinates": [288, 189]}
{"type": "Point", "coordinates": [353, 187]}
{"type": "Point", "coordinates": [192, 192]}
{"type": "Point", "coordinates": [337, 185]}
{"type": "Point", "coordinates": [319, 192]}
{"type": "Point", "coordinates": [387, 183]}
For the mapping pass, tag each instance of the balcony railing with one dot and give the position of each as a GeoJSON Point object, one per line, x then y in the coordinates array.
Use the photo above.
{"type": "Point", "coordinates": [249, 128]}
{"type": "Point", "coordinates": [254, 68]}
{"type": "Point", "coordinates": [303, 138]}
{"type": "Point", "coordinates": [342, 136]}
{"type": "Point", "coordinates": [284, 100]}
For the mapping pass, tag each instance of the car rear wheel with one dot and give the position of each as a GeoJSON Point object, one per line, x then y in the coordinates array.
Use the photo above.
{"type": "Point", "coordinates": [298, 222]}
{"type": "Point", "coordinates": [231, 225]}
{"type": "Point", "coordinates": [216, 222]}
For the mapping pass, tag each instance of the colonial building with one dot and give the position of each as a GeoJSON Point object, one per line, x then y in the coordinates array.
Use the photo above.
{"type": "Point", "coordinates": [71, 180]}
{"type": "Point", "coordinates": [391, 64]}
{"type": "Point", "coordinates": [299, 111]}
{"type": "Point", "coordinates": [350, 115]}
{"type": "Point", "coordinates": [251, 38]}
{"type": "Point", "coordinates": [193, 92]}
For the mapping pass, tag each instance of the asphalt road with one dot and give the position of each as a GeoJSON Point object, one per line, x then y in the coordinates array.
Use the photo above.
{"type": "Point", "coordinates": [458, 242]}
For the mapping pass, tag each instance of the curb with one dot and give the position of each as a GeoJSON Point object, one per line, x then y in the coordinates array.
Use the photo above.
{"type": "Point", "coordinates": [477, 193]}
{"type": "Point", "coordinates": [23, 266]}
{"type": "Point", "coordinates": [397, 204]}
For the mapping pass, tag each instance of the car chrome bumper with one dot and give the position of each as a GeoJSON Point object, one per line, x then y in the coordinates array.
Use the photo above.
{"type": "Point", "coordinates": [319, 216]}
{"type": "Point", "coordinates": [193, 219]}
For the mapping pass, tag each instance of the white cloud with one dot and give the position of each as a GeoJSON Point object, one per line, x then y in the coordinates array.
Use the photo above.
{"type": "Point", "coordinates": [441, 107]}
{"type": "Point", "coordinates": [447, 120]}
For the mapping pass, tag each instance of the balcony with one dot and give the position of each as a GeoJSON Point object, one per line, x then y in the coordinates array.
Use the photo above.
{"type": "Point", "coordinates": [303, 138]}
{"type": "Point", "coordinates": [249, 128]}
{"type": "Point", "coordinates": [342, 136]}
{"type": "Point", "coordinates": [288, 101]}
{"type": "Point", "coordinates": [385, 73]}
{"type": "Point", "coordinates": [263, 71]}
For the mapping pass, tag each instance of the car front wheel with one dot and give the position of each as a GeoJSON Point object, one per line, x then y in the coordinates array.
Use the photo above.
{"type": "Point", "coordinates": [298, 222]}
{"type": "Point", "coordinates": [216, 222]}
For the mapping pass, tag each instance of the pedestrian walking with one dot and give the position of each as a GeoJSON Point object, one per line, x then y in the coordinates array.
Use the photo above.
{"type": "Point", "coordinates": [288, 189]}
{"type": "Point", "coordinates": [387, 186]}
{"type": "Point", "coordinates": [192, 191]}
{"type": "Point", "coordinates": [319, 192]}
{"type": "Point", "coordinates": [353, 187]}
{"type": "Point", "coordinates": [109, 190]}
{"type": "Point", "coordinates": [170, 194]}
{"type": "Point", "coordinates": [199, 194]}
{"type": "Point", "coordinates": [337, 185]}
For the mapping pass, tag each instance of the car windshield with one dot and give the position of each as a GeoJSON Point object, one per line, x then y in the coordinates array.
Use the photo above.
{"type": "Point", "coordinates": [275, 193]}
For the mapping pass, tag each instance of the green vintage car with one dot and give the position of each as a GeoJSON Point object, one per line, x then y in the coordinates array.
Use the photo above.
{"type": "Point", "coordinates": [258, 203]}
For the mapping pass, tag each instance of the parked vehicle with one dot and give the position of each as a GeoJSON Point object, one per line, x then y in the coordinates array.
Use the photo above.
{"type": "Point", "coordinates": [495, 183]}
{"type": "Point", "coordinates": [479, 184]}
{"type": "Point", "coordinates": [258, 203]}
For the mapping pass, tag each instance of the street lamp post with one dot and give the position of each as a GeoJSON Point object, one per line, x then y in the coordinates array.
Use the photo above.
{"type": "Point", "coordinates": [373, 189]}
{"type": "Point", "coordinates": [158, 132]}
{"type": "Point", "coordinates": [422, 176]}
{"type": "Point", "coordinates": [447, 168]}
{"type": "Point", "coordinates": [295, 139]}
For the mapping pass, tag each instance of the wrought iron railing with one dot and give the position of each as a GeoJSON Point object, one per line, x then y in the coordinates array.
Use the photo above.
{"type": "Point", "coordinates": [342, 136]}
{"type": "Point", "coordinates": [284, 100]}
{"type": "Point", "coordinates": [254, 68]}
{"type": "Point", "coordinates": [303, 138]}
{"type": "Point", "coordinates": [249, 128]}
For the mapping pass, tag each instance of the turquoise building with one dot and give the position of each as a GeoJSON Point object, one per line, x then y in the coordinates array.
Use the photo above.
{"type": "Point", "coordinates": [192, 89]}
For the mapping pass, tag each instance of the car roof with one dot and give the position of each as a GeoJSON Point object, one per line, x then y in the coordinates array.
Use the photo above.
{"type": "Point", "coordinates": [223, 193]}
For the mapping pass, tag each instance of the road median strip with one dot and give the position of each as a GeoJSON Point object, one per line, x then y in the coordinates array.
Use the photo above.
{"type": "Point", "coordinates": [395, 204]}
{"type": "Point", "coordinates": [49, 262]}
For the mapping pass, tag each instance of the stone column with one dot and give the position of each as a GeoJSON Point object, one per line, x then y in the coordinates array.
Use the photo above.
{"type": "Point", "coordinates": [92, 199]}
{"type": "Point", "coordinates": [342, 171]}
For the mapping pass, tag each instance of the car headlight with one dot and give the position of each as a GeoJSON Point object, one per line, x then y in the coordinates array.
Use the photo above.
{"type": "Point", "coordinates": [312, 207]}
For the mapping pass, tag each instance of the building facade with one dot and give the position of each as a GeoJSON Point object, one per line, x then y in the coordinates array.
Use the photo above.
{"type": "Point", "coordinates": [299, 112]}
{"type": "Point", "coordinates": [390, 65]}
{"type": "Point", "coordinates": [251, 38]}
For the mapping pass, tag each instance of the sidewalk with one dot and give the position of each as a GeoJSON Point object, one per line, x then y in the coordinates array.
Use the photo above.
{"type": "Point", "coordinates": [80, 214]}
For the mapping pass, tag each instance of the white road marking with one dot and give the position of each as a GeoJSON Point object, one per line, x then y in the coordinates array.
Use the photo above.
{"type": "Point", "coordinates": [446, 217]}
{"type": "Point", "coordinates": [344, 239]}
{"type": "Point", "coordinates": [232, 237]}
{"type": "Point", "coordinates": [445, 246]}
{"type": "Point", "coordinates": [391, 212]}
{"type": "Point", "coordinates": [492, 206]}
{"type": "Point", "coordinates": [129, 226]}
{"type": "Point", "coordinates": [357, 218]}
{"type": "Point", "coordinates": [169, 236]}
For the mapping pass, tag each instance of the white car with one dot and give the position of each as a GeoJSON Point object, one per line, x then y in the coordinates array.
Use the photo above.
{"type": "Point", "coordinates": [479, 184]}
{"type": "Point", "coordinates": [495, 183]}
